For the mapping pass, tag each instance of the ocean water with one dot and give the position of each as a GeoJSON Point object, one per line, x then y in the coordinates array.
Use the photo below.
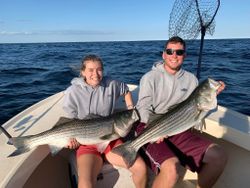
{"type": "Point", "coordinates": [32, 72]}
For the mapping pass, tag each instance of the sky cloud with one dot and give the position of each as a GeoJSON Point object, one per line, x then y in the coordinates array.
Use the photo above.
{"type": "Point", "coordinates": [76, 32]}
{"type": "Point", "coordinates": [58, 32]}
{"type": "Point", "coordinates": [15, 33]}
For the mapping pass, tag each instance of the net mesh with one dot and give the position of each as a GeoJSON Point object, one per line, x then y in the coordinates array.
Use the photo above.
{"type": "Point", "coordinates": [189, 16]}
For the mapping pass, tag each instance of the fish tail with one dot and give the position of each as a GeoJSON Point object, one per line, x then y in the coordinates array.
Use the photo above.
{"type": "Point", "coordinates": [127, 151]}
{"type": "Point", "coordinates": [21, 145]}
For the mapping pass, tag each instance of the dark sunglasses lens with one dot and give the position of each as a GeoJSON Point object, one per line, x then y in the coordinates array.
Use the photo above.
{"type": "Point", "coordinates": [178, 52]}
{"type": "Point", "coordinates": [169, 51]}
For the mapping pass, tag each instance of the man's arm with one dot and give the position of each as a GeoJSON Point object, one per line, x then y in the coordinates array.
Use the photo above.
{"type": "Point", "coordinates": [145, 99]}
{"type": "Point", "coordinates": [221, 88]}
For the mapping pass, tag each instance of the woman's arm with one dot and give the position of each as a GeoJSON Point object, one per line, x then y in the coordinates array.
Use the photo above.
{"type": "Point", "coordinates": [128, 100]}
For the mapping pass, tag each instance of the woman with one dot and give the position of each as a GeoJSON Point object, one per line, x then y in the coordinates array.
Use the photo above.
{"type": "Point", "coordinates": [93, 93]}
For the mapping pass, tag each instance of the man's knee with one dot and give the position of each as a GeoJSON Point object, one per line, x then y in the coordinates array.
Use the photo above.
{"type": "Point", "coordinates": [215, 155]}
{"type": "Point", "coordinates": [171, 168]}
{"type": "Point", "coordinates": [139, 167]}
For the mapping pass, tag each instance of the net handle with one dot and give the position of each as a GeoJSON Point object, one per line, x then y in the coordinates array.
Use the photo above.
{"type": "Point", "coordinates": [203, 32]}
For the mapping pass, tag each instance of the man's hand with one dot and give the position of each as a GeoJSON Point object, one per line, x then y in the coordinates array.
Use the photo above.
{"type": "Point", "coordinates": [73, 144]}
{"type": "Point", "coordinates": [221, 88]}
{"type": "Point", "coordinates": [161, 139]}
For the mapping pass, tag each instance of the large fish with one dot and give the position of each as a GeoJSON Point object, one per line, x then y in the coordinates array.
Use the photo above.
{"type": "Point", "coordinates": [89, 131]}
{"type": "Point", "coordinates": [178, 119]}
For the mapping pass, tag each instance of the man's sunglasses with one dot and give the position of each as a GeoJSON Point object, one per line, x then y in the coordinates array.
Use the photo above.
{"type": "Point", "coordinates": [178, 52]}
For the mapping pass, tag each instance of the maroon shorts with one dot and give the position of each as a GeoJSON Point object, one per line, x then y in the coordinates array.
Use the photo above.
{"type": "Point", "coordinates": [188, 146]}
{"type": "Point", "coordinates": [92, 149]}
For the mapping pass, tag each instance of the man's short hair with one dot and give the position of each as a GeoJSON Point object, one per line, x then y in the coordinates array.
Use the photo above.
{"type": "Point", "coordinates": [176, 39]}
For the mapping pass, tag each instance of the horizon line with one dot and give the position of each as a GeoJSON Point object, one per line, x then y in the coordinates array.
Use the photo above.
{"type": "Point", "coordinates": [119, 40]}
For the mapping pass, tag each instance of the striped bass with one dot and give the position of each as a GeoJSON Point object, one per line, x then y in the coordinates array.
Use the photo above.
{"type": "Point", "coordinates": [180, 118]}
{"type": "Point", "coordinates": [87, 132]}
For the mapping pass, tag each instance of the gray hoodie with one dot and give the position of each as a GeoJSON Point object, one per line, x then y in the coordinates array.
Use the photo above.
{"type": "Point", "coordinates": [82, 100]}
{"type": "Point", "coordinates": [160, 90]}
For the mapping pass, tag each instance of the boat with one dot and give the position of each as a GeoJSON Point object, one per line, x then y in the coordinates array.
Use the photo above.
{"type": "Point", "coordinates": [37, 168]}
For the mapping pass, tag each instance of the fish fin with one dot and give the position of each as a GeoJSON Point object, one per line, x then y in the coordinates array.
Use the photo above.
{"type": "Point", "coordinates": [128, 153]}
{"type": "Point", "coordinates": [10, 141]}
{"type": "Point", "coordinates": [200, 118]}
{"type": "Point", "coordinates": [203, 125]}
{"type": "Point", "coordinates": [173, 106]}
{"type": "Point", "coordinates": [63, 120]}
{"type": "Point", "coordinates": [92, 116]}
{"type": "Point", "coordinates": [19, 151]}
{"type": "Point", "coordinates": [153, 117]}
{"type": "Point", "coordinates": [107, 137]}
{"type": "Point", "coordinates": [19, 143]}
{"type": "Point", "coordinates": [102, 146]}
{"type": "Point", "coordinates": [54, 149]}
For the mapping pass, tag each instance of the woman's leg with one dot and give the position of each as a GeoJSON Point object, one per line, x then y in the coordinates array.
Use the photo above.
{"type": "Point", "coordinates": [88, 166]}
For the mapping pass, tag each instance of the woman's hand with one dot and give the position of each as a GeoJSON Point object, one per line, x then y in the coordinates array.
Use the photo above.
{"type": "Point", "coordinates": [73, 144]}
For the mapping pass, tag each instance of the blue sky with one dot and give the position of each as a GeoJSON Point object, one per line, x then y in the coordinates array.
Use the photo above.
{"type": "Point", "coordinates": [106, 20]}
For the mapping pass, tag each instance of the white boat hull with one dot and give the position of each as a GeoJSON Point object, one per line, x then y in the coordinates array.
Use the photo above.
{"type": "Point", "coordinates": [225, 127]}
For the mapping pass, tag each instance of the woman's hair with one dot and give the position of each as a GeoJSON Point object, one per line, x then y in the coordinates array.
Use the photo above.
{"type": "Point", "coordinates": [93, 58]}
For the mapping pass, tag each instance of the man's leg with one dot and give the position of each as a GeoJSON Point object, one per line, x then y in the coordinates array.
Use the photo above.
{"type": "Point", "coordinates": [214, 162]}
{"type": "Point", "coordinates": [168, 175]}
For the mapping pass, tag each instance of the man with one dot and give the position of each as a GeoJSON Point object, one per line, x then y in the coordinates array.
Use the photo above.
{"type": "Point", "coordinates": [164, 86]}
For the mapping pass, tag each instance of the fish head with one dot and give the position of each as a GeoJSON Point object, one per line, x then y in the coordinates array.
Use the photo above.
{"type": "Point", "coordinates": [125, 120]}
{"type": "Point", "coordinates": [207, 94]}
{"type": "Point", "coordinates": [213, 84]}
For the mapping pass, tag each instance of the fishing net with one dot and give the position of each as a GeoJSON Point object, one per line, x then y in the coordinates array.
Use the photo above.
{"type": "Point", "coordinates": [189, 18]}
